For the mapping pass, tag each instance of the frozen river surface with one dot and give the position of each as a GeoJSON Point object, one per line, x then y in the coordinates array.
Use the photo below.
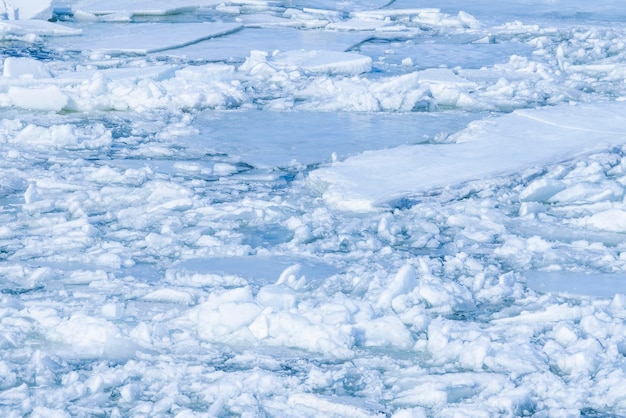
{"type": "Point", "coordinates": [312, 208]}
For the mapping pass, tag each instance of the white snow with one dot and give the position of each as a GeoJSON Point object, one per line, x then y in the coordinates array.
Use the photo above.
{"type": "Point", "coordinates": [312, 208]}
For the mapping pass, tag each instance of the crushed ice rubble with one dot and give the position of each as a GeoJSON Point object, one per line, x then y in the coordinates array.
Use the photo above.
{"type": "Point", "coordinates": [152, 265]}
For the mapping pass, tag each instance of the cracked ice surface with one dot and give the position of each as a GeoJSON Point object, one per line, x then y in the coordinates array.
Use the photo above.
{"type": "Point", "coordinates": [312, 208]}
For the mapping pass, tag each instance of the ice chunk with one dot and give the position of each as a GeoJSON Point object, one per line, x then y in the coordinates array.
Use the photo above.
{"type": "Point", "coordinates": [357, 24]}
{"type": "Point", "coordinates": [386, 331]}
{"type": "Point", "coordinates": [342, 5]}
{"type": "Point", "coordinates": [443, 76]}
{"type": "Point", "coordinates": [31, 194]}
{"type": "Point", "coordinates": [24, 68]}
{"type": "Point", "coordinates": [112, 310]}
{"type": "Point", "coordinates": [225, 316]}
{"type": "Point", "coordinates": [403, 282]}
{"type": "Point", "coordinates": [49, 98]}
{"type": "Point", "coordinates": [444, 85]}
{"type": "Point", "coordinates": [277, 296]}
{"type": "Point", "coordinates": [613, 220]}
{"type": "Point", "coordinates": [89, 337]}
{"type": "Point", "coordinates": [170, 296]}
{"type": "Point", "coordinates": [429, 17]}
{"type": "Point", "coordinates": [587, 191]}
{"type": "Point", "coordinates": [321, 61]}
{"type": "Point", "coordinates": [227, 322]}
{"type": "Point", "coordinates": [291, 277]}
{"type": "Point", "coordinates": [291, 329]}
{"type": "Point", "coordinates": [541, 190]}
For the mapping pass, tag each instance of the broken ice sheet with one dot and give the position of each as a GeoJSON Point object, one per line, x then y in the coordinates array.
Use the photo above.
{"type": "Point", "coordinates": [237, 46]}
{"type": "Point", "coordinates": [143, 38]}
{"type": "Point", "coordinates": [598, 285]}
{"type": "Point", "coordinates": [267, 140]}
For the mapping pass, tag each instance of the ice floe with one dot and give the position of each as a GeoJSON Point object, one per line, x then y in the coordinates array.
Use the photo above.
{"type": "Point", "coordinates": [144, 38]}
{"type": "Point", "coordinates": [531, 137]}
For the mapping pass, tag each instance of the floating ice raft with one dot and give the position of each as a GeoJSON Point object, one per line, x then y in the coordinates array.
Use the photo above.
{"type": "Point", "coordinates": [486, 148]}
{"type": "Point", "coordinates": [145, 38]}
{"type": "Point", "coordinates": [125, 9]}
{"type": "Point", "coordinates": [602, 285]}
{"type": "Point", "coordinates": [237, 46]}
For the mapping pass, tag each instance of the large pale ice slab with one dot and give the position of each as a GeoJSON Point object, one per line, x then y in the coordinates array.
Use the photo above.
{"type": "Point", "coordinates": [346, 6]}
{"type": "Point", "coordinates": [144, 38]}
{"type": "Point", "coordinates": [257, 270]}
{"type": "Point", "coordinates": [155, 8]}
{"type": "Point", "coordinates": [466, 52]}
{"type": "Point", "coordinates": [266, 139]}
{"type": "Point", "coordinates": [237, 46]}
{"type": "Point", "coordinates": [505, 10]}
{"type": "Point", "coordinates": [488, 148]}
{"type": "Point", "coordinates": [155, 72]}
{"type": "Point", "coordinates": [583, 284]}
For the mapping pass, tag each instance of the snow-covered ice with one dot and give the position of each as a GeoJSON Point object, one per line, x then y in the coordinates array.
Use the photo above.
{"type": "Point", "coordinates": [312, 208]}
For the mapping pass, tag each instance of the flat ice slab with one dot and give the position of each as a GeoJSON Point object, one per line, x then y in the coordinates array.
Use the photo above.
{"type": "Point", "coordinates": [136, 8]}
{"type": "Point", "coordinates": [144, 38]}
{"type": "Point", "coordinates": [346, 6]}
{"type": "Point", "coordinates": [582, 284]}
{"type": "Point", "coordinates": [237, 46]}
{"type": "Point", "coordinates": [486, 148]}
{"type": "Point", "coordinates": [521, 9]}
{"type": "Point", "coordinates": [266, 139]}
{"type": "Point", "coordinates": [260, 270]}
